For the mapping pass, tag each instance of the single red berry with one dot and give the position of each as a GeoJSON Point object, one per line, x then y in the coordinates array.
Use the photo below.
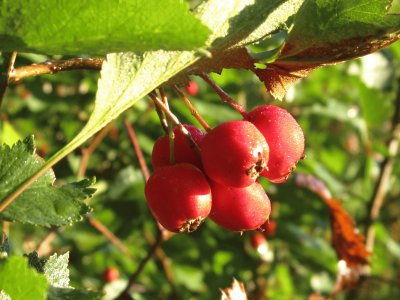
{"type": "Point", "coordinates": [257, 239]}
{"type": "Point", "coordinates": [234, 153]}
{"type": "Point", "coordinates": [179, 196]}
{"type": "Point", "coordinates": [110, 274]}
{"type": "Point", "coordinates": [239, 209]}
{"type": "Point", "coordinates": [192, 88]}
{"type": "Point", "coordinates": [184, 150]}
{"type": "Point", "coordinates": [284, 137]}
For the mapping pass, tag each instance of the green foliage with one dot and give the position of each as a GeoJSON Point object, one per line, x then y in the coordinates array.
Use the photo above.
{"type": "Point", "coordinates": [98, 27]}
{"type": "Point", "coordinates": [42, 203]}
{"type": "Point", "coordinates": [30, 285]}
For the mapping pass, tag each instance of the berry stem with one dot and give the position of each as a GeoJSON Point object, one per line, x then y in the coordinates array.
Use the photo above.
{"type": "Point", "coordinates": [171, 135]}
{"type": "Point", "coordinates": [223, 95]}
{"type": "Point", "coordinates": [193, 110]}
{"type": "Point", "coordinates": [174, 119]}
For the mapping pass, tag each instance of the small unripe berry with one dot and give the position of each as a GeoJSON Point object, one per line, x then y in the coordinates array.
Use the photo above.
{"type": "Point", "coordinates": [110, 274]}
{"type": "Point", "coordinates": [179, 196]}
{"type": "Point", "coordinates": [192, 88]}
{"type": "Point", "coordinates": [234, 153]}
{"type": "Point", "coordinates": [284, 137]}
{"type": "Point", "coordinates": [184, 150]}
{"type": "Point", "coordinates": [239, 209]}
{"type": "Point", "coordinates": [257, 239]}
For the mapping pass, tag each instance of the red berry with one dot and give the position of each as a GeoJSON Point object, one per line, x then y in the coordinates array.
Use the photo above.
{"type": "Point", "coordinates": [284, 137]}
{"type": "Point", "coordinates": [110, 274]}
{"type": "Point", "coordinates": [192, 88]}
{"type": "Point", "coordinates": [184, 151]}
{"type": "Point", "coordinates": [257, 239]}
{"type": "Point", "coordinates": [179, 196]}
{"type": "Point", "coordinates": [239, 209]}
{"type": "Point", "coordinates": [234, 153]}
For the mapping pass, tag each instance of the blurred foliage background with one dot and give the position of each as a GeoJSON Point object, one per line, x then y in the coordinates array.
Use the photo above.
{"type": "Point", "coordinates": [346, 113]}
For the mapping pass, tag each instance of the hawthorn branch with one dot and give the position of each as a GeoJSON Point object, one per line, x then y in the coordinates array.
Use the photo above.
{"type": "Point", "coordinates": [55, 66]}
{"type": "Point", "coordinates": [138, 151]}
{"type": "Point", "coordinates": [382, 185]}
{"type": "Point", "coordinates": [125, 293]}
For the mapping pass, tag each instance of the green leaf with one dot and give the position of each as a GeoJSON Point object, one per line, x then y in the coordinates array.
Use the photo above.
{"type": "Point", "coordinates": [56, 270]}
{"type": "Point", "coordinates": [42, 203]}
{"type": "Point", "coordinates": [20, 281]}
{"type": "Point", "coordinates": [98, 27]}
{"type": "Point", "coordinates": [394, 7]}
{"type": "Point", "coordinates": [71, 294]}
{"type": "Point", "coordinates": [327, 31]}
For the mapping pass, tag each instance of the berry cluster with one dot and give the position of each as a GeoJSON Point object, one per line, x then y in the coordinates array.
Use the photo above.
{"type": "Point", "coordinates": [216, 175]}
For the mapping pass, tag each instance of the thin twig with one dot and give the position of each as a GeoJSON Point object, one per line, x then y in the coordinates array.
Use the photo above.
{"type": "Point", "coordinates": [44, 244]}
{"type": "Point", "coordinates": [87, 152]}
{"type": "Point", "coordinates": [193, 110]}
{"type": "Point", "coordinates": [174, 119]}
{"type": "Point", "coordinates": [52, 67]}
{"type": "Point", "coordinates": [109, 235]}
{"type": "Point", "coordinates": [223, 95]}
{"type": "Point", "coordinates": [5, 230]}
{"type": "Point", "coordinates": [6, 81]}
{"type": "Point", "coordinates": [382, 185]}
{"type": "Point", "coordinates": [138, 151]}
{"type": "Point", "coordinates": [125, 293]}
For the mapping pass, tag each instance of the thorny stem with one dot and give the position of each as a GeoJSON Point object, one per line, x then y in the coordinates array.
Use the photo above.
{"type": "Point", "coordinates": [193, 110]}
{"type": "Point", "coordinates": [223, 95]}
{"type": "Point", "coordinates": [174, 119]}
{"type": "Point", "coordinates": [52, 67]}
{"type": "Point", "coordinates": [6, 77]}
{"type": "Point", "coordinates": [87, 152]}
{"type": "Point", "coordinates": [138, 151]}
{"type": "Point", "coordinates": [382, 185]}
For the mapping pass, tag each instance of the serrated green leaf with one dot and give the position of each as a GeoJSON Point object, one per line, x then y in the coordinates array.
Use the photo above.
{"type": "Point", "coordinates": [71, 294]}
{"type": "Point", "coordinates": [20, 281]}
{"type": "Point", "coordinates": [327, 31]}
{"type": "Point", "coordinates": [98, 27]}
{"type": "Point", "coordinates": [42, 203]}
{"type": "Point", "coordinates": [56, 270]}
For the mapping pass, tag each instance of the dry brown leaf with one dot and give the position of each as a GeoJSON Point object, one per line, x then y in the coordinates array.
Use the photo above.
{"type": "Point", "coordinates": [346, 240]}
{"type": "Point", "coordinates": [235, 292]}
{"type": "Point", "coordinates": [278, 79]}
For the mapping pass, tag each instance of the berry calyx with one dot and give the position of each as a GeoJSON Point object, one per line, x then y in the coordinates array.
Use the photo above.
{"type": "Point", "coordinates": [284, 137]}
{"type": "Point", "coordinates": [268, 228]}
{"type": "Point", "coordinates": [234, 153]}
{"type": "Point", "coordinates": [179, 197]}
{"type": "Point", "coordinates": [192, 88]}
{"type": "Point", "coordinates": [239, 209]}
{"type": "Point", "coordinates": [110, 274]}
{"type": "Point", "coordinates": [184, 150]}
